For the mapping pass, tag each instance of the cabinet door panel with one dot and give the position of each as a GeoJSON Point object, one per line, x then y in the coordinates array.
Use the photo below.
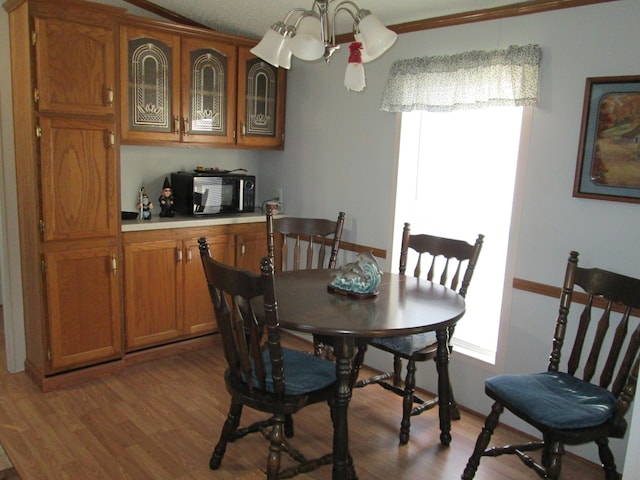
{"type": "Point", "coordinates": [198, 309]}
{"type": "Point", "coordinates": [79, 175]}
{"type": "Point", "coordinates": [84, 307]}
{"type": "Point", "coordinates": [152, 306]}
{"type": "Point", "coordinates": [208, 91]}
{"type": "Point", "coordinates": [150, 72]}
{"type": "Point", "coordinates": [250, 248]}
{"type": "Point", "coordinates": [75, 67]}
{"type": "Point", "coordinates": [261, 102]}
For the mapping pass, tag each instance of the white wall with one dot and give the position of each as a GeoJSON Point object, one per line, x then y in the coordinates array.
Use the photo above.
{"type": "Point", "coordinates": [341, 155]}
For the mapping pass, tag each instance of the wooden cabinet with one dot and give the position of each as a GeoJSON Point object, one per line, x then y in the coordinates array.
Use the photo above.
{"type": "Point", "coordinates": [250, 247]}
{"type": "Point", "coordinates": [166, 294]}
{"type": "Point", "coordinates": [83, 288]}
{"type": "Point", "coordinates": [198, 310]}
{"type": "Point", "coordinates": [152, 279]}
{"type": "Point", "coordinates": [75, 61]}
{"type": "Point", "coordinates": [177, 88]}
{"type": "Point", "coordinates": [79, 177]}
{"type": "Point", "coordinates": [63, 76]}
{"type": "Point", "coordinates": [261, 102]}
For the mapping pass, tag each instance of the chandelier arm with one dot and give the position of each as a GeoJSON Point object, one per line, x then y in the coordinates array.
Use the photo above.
{"type": "Point", "coordinates": [342, 7]}
{"type": "Point", "coordinates": [290, 13]}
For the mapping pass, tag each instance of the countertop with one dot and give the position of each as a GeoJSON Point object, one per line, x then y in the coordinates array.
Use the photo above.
{"type": "Point", "coordinates": [183, 221]}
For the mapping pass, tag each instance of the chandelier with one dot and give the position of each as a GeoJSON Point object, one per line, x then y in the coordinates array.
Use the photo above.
{"type": "Point", "coordinates": [310, 35]}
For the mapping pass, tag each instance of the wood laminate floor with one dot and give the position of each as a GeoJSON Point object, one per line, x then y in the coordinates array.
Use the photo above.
{"type": "Point", "coordinates": [160, 420]}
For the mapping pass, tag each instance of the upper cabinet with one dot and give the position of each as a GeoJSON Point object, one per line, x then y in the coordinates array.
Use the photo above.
{"type": "Point", "coordinates": [176, 88]}
{"type": "Point", "coordinates": [261, 102]}
{"type": "Point", "coordinates": [182, 85]}
{"type": "Point", "coordinates": [75, 63]}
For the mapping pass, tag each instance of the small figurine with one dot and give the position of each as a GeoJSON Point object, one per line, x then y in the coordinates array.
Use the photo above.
{"type": "Point", "coordinates": [166, 200]}
{"type": "Point", "coordinates": [360, 278]}
{"type": "Point", "coordinates": [144, 206]}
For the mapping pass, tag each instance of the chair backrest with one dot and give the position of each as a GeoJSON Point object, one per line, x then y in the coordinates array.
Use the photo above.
{"type": "Point", "coordinates": [610, 333]}
{"type": "Point", "coordinates": [242, 331]}
{"type": "Point", "coordinates": [319, 235]}
{"type": "Point", "coordinates": [446, 255]}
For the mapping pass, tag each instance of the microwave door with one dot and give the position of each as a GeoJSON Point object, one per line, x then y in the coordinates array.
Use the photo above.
{"type": "Point", "coordinates": [200, 201]}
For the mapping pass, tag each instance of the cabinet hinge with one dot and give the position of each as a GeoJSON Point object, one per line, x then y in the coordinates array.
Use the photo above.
{"type": "Point", "coordinates": [34, 38]}
{"type": "Point", "coordinates": [41, 226]}
{"type": "Point", "coordinates": [36, 95]}
{"type": "Point", "coordinates": [43, 266]}
{"type": "Point", "coordinates": [38, 132]}
{"type": "Point", "coordinates": [49, 354]}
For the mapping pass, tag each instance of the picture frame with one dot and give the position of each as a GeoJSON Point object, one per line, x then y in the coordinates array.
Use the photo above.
{"type": "Point", "coordinates": [608, 166]}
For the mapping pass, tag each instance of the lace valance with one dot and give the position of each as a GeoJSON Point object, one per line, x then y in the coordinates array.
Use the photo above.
{"type": "Point", "coordinates": [467, 80]}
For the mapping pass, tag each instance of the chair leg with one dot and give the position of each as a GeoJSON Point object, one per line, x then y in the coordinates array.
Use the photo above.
{"type": "Point", "coordinates": [483, 441]}
{"type": "Point", "coordinates": [608, 462]}
{"type": "Point", "coordinates": [230, 425]}
{"type": "Point", "coordinates": [407, 401]}
{"type": "Point", "coordinates": [551, 460]}
{"type": "Point", "coordinates": [276, 438]}
{"type": "Point", "coordinates": [288, 426]}
{"type": "Point", "coordinates": [453, 405]}
{"type": "Point", "coordinates": [397, 370]}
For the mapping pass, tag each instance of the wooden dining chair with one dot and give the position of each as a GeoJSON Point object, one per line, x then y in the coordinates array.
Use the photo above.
{"type": "Point", "coordinates": [451, 263]}
{"type": "Point", "coordinates": [583, 398]}
{"type": "Point", "coordinates": [261, 374]}
{"type": "Point", "coordinates": [296, 243]}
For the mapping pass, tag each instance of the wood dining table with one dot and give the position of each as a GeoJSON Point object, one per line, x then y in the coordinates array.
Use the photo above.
{"type": "Point", "coordinates": [404, 305]}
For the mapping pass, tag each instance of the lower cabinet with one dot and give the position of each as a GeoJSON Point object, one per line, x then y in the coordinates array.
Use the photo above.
{"type": "Point", "coordinates": [166, 295]}
{"type": "Point", "coordinates": [250, 248]}
{"type": "Point", "coordinates": [84, 321]}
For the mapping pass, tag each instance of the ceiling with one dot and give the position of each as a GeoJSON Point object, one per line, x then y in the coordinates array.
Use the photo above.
{"type": "Point", "coordinates": [252, 18]}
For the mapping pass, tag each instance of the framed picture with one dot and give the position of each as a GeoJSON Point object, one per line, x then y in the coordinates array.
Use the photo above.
{"type": "Point", "coordinates": [608, 165]}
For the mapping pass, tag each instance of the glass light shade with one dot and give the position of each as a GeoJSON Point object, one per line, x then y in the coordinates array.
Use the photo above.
{"type": "Point", "coordinates": [376, 38]}
{"type": "Point", "coordinates": [307, 43]}
{"type": "Point", "coordinates": [268, 49]}
{"type": "Point", "coordinates": [354, 77]}
{"type": "Point", "coordinates": [366, 58]}
{"type": "Point", "coordinates": [284, 59]}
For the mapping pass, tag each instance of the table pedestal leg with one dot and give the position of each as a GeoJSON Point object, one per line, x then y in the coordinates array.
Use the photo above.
{"type": "Point", "coordinates": [444, 394]}
{"type": "Point", "coordinates": [342, 465]}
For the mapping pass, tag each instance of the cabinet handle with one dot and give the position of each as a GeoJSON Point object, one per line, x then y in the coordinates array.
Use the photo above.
{"type": "Point", "coordinates": [110, 139]}
{"type": "Point", "coordinates": [185, 123]}
{"type": "Point", "coordinates": [114, 264]}
{"type": "Point", "coordinates": [176, 125]}
{"type": "Point", "coordinates": [188, 255]}
{"type": "Point", "coordinates": [109, 95]}
{"type": "Point", "coordinates": [179, 252]}
{"type": "Point", "coordinates": [243, 129]}
{"type": "Point", "coordinates": [242, 249]}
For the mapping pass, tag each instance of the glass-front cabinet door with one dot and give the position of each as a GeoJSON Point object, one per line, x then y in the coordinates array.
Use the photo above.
{"type": "Point", "coordinates": [208, 91]}
{"type": "Point", "coordinates": [150, 85]}
{"type": "Point", "coordinates": [176, 88]}
{"type": "Point", "coordinates": [261, 102]}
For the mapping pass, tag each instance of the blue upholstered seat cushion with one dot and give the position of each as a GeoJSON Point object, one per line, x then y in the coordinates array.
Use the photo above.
{"type": "Point", "coordinates": [303, 372]}
{"type": "Point", "coordinates": [409, 344]}
{"type": "Point", "coordinates": [555, 399]}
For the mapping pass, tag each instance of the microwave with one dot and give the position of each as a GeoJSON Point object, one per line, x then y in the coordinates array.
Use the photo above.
{"type": "Point", "coordinates": [210, 193]}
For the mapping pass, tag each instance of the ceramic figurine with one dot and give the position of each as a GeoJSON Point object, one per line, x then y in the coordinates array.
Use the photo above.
{"type": "Point", "coordinates": [144, 206]}
{"type": "Point", "coordinates": [360, 278]}
{"type": "Point", "coordinates": [166, 200]}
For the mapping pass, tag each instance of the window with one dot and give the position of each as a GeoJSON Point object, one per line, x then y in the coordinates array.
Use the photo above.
{"type": "Point", "coordinates": [456, 178]}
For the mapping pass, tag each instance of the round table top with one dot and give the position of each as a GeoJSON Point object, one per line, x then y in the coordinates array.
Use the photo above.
{"type": "Point", "coordinates": [405, 305]}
